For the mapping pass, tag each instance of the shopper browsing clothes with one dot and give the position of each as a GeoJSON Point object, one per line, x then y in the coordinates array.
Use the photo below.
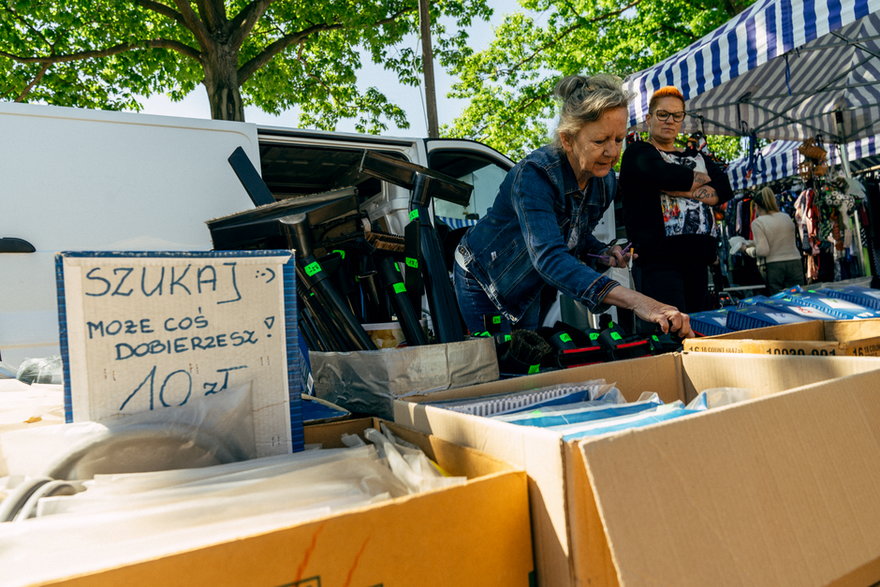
{"type": "Point", "coordinates": [774, 240]}
{"type": "Point", "coordinates": [539, 231]}
{"type": "Point", "coordinates": [668, 193]}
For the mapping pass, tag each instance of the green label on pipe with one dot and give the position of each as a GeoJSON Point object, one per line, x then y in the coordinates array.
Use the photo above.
{"type": "Point", "coordinates": [534, 368]}
{"type": "Point", "coordinates": [313, 268]}
{"type": "Point", "coordinates": [414, 263]}
{"type": "Point", "coordinates": [616, 336]}
{"type": "Point", "coordinates": [496, 319]}
{"type": "Point", "coordinates": [414, 215]}
{"type": "Point", "coordinates": [565, 337]}
{"type": "Point", "coordinates": [339, 252]}
{"type": "Point", "coordinates": [399, 287]}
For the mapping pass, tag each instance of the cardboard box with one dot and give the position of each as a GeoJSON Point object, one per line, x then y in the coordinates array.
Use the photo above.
{"type": "Point", "coordinates": [860, 338]}
{"type": "Point", "coordinates": [579, 490]}
{"type": "Point", "coordinates": [473, 534]}
{"type": "Point", "coordinates": [368, 382]}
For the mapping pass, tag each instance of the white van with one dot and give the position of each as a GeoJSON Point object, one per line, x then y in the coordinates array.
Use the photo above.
{"type": "Point", "coordinates": [78, 179]}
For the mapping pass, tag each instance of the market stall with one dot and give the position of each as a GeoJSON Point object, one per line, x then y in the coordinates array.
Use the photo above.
{"type": "Point", "coordinates": [756, 77]}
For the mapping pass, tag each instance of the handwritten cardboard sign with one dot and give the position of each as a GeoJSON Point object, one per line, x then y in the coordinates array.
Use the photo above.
{"type": "Point", "coordinates": [144, 331]}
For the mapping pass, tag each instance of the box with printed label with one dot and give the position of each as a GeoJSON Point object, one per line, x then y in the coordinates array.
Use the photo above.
{"type": "Point", "coordinates": [692, 500]}
{"type": "Point", "coordinates": [859, 338]}
{"type": "Point", "coordinates": [476, 533]}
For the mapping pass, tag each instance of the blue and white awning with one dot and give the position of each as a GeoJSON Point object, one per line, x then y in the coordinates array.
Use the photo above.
{"type": "Point", "coordinates": [780, 159]}
{"type": "Point", "coordinates": [781, 69]}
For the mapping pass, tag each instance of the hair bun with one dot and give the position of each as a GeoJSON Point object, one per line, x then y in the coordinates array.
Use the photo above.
{"type": "Point", "coordinates": [571, 85]}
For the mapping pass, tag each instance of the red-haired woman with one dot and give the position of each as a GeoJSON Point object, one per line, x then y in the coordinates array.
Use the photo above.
{"type": "Point", "coordinates": [668, 193]}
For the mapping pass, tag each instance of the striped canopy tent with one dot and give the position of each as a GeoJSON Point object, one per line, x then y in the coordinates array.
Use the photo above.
{"type": "Point", "coordinates": [780, 159]}
{"type": "Point", "coordinates": [781, 69]}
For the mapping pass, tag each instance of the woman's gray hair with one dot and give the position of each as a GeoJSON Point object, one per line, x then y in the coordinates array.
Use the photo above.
{"type": "Point", "coordinates": [584, 99]}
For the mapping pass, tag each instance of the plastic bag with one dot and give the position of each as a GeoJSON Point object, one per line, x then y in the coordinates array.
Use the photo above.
{"type": "Point", "coordinates": [219, 504]}
{"type": "Point", "coordinates": [213, 430]}
{"type": "Point", "coordinates": [45, 370]}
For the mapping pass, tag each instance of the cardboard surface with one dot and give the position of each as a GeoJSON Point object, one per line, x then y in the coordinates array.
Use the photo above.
{"type": "Point", "coordinates": [145, 331]}
{"type": "Point", "coordinates": [571, 545]}
{"type": "Point", "coordinates": [784, 490]}
{"type": "Point", "coordinates": [473, 534]}
{"type": "Point", "coordinates": [859, 338]}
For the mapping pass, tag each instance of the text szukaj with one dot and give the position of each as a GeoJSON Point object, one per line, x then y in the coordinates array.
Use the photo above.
{"type": "Point", "coordinates": [174, 334]}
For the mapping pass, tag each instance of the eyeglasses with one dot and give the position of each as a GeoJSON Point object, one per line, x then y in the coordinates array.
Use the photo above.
{"type": "Point", "coordinates": [663, 115]}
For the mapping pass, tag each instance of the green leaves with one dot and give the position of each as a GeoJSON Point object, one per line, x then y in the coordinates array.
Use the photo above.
{"type": "Point", "coordinates": [290, 53]}
{"type": "Point", "coordinates": [509, 84]}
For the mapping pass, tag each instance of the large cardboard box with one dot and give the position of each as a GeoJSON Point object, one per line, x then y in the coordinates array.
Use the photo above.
{"type": "Point", "coordinates": [597, 505]}
{"type": "Point", "coordinates": [860, 338]}
{"type": "Point", "coordinates": [473, 534]}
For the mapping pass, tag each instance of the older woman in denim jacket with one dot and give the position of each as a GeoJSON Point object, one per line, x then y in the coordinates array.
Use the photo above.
{"type": "Point", "coordinates": [539, 231]}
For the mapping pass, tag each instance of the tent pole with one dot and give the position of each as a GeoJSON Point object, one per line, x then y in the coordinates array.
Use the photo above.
{"type": "Point", "coordinates": [847, 173]}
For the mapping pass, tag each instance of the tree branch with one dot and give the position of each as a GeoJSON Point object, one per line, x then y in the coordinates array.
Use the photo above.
{"type": "Point", "coordinates": [244, 21]}
{"type": "Point", "coordinates": [191, 21]}
{"type": "Point", "coordinates": [521, 108]}
{"type": "Point", "coordinates": [172, 45]}
{"type": "Point", "coordinates": [580, 24]}
{"type": "Point", "coordinates": [279, 45]}
{"type": "Point", "coordinates": [36, 31]}
{"type": "Point", "coordinates": [165, 11]}
{"type": "Point", "coordinates": [27, 89]}
{"type": "Point", "coordinates": [213, 13]}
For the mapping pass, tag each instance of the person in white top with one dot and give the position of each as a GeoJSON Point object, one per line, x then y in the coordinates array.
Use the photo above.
{"type": "Point", "coordinates": [774, 240]}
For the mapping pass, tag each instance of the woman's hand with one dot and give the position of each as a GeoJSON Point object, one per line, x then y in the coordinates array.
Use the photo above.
{"type": "Point", "coordinates": [617, 257]}
{"type": "Point", "coordinates": [700, 179]}
{"type": "Point", "coordinates": [667, 317]}
{"type": "Point", "coordinates": [704, 193]}
{"type": "Point", "coordinates": [650, 310]}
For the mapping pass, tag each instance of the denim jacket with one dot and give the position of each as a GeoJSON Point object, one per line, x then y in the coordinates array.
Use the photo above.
{"type": "Point", "coordinates": [522, 243]}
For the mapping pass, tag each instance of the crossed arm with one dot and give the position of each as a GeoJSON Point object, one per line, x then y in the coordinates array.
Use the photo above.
{"type": "Point", "coordinates": [699, 190]}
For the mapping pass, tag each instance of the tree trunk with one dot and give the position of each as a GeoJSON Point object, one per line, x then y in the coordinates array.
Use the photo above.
{"type": "Point", "coordinates": [221, 83]}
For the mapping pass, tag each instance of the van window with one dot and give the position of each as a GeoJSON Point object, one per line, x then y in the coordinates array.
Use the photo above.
{"type": "Point", "coordinates": [475, 169]}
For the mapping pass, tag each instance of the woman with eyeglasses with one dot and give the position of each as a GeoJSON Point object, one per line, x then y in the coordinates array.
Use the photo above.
{"type": "Point", "coordinates": [668, 193]}
{"type": "Point", "coordinates": [538, 234]}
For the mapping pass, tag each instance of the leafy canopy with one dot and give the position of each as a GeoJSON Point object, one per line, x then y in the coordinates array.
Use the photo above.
{"type": "Point", "coordinates": [509, 85]}
{"type": "Point", "coordinates": [272, 54]}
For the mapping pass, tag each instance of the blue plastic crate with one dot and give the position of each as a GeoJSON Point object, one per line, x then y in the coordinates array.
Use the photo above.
{"type": "Point", "coordinates": [759, 316]}
{"type": "Point", "coordinates": [865, 296]}
{"type": "Point", "coordinates": [751, 301]}
{"type": "Point", "coordinates": [710, 323]}
{"type": "Point", "coordinates": [838, 308]}
{"type": "Point", "coordinates": [804, 311]}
